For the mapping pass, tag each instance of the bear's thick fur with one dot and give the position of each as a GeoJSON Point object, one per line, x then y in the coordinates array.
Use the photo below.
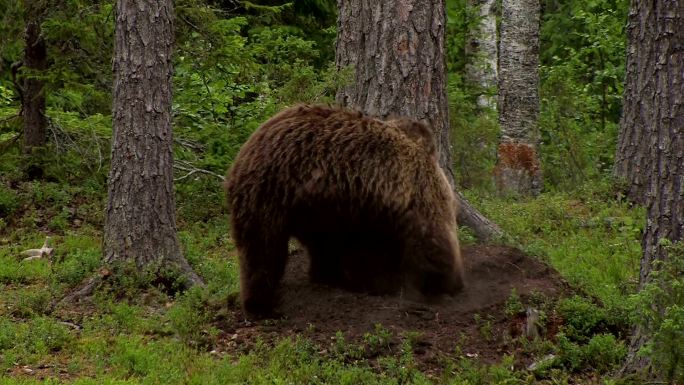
{"type": "Point", "coordinates": [365, 197]}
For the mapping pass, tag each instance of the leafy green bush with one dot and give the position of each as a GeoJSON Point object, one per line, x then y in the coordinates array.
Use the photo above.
{"type": "Point", "coordinates": [582, 73]}
{"type": "Point", "coordinates": [660, 311]}
{"type": "Point", "coordinates": [603, 352]}
{"type": "Point", "coordinates": [581, 316]}
{"type": "Point", "coordinates": [475, 137]}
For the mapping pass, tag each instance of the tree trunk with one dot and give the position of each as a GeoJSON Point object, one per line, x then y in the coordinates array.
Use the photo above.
{"type": "Point", "coordinates": [517, 170]}
{"type": "Point", "coordinates": [140, 222]}
{"type": "Point", "coordinates": [35, 62]}
{"type": "Point", "coordinates": [482, 67]}
{"type": "Point", "coordinates": [397, 51]}
{"type": "Point", "coordinates": [636, 135]}
{"type": "Point", "coordinates": [651, 144]}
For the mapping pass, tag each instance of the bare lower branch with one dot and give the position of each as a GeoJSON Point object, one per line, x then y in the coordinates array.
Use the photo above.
{"type": "Point", "coordinates": [190, 169]}
{"type": "Point", "coordinates": [7, 143]}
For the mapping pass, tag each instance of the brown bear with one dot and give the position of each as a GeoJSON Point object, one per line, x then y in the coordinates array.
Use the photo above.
{"type": "Point", "coordinates": [366, 198]}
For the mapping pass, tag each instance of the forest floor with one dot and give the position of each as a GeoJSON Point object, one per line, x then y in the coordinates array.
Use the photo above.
{"type": "Point", "coordinates": [474, 322]}
{"type": "Point", "coordinates": [574, 270]}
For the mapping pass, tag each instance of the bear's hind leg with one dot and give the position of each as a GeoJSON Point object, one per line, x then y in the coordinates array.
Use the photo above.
{"type": "Point", "coordinates": [262, 264]}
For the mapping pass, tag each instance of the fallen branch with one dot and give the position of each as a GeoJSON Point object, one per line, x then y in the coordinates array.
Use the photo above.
{"type": "Point", "coordinates": [9, 142]}
{"type": "Point", "coordinates": [45, 251]}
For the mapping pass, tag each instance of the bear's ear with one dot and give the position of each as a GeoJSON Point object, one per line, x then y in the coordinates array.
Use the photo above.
{"type": "Point", "coordinates": [418, 132]}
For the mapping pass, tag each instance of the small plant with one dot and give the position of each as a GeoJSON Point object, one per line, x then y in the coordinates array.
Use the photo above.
{"type": "Point", "coordinates": [485, 327]}
{"type": "Point", "coordinates": [132, 358]}
{"type": "Point", "coordinates": [345, 351]}
{"type": "Point", "coordinates": [514, 306]}
{"type": "Point", "coordinates": [601, 353]}
{"type": "Point", "coordinates": [379, 340]}
{"type": "Point", "coordinates": [402, 368]}
{"type": "Point", "coordinates": [77, 264]}
{"type": "Point", "coordinates": [413, 337]}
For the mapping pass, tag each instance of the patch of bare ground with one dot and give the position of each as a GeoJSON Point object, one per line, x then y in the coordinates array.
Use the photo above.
{"type": "Point", "coordinates": [473, 324]}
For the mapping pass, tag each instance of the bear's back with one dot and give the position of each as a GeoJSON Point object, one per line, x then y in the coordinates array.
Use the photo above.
{"type": "Point", "coordinates": [325, 152]}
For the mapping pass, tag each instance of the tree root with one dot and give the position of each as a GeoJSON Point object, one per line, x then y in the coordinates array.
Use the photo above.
{"type": "Point", "coordinates": [484, 229]}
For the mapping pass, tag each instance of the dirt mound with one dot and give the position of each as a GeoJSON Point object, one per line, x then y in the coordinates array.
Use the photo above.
{"type": "Point", "coordinates": [318, 312]}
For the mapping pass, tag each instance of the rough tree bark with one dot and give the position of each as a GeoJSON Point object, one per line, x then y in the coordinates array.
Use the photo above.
{"type": "Point", "coordinates": [35, 61]}
{"type": "Point", "coordinates": [397, 50]}
{"type": "Point", "coordinates": [651, 146]}
{"type": "Point", "coordinates": [641, 100]}
{"type": "Point", "coordinates": [481, 49]}
{"type": "Point", "coordinates": [140, 224]}
{"type": "Point", "coordinates": [517, 170]}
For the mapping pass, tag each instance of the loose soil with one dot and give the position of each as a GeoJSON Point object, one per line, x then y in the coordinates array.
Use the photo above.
{"type": "Point", "coordinates": [474, 321]}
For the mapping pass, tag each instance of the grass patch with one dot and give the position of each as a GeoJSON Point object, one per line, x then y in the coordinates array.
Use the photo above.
{"type": "Point", "coordinates": [593, 240]}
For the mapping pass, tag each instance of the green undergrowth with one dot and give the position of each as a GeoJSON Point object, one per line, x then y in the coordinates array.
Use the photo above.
{"type": "Point", "coordinates": [156, 337]}
{"type": "Point", "coordinates": [589, 235]}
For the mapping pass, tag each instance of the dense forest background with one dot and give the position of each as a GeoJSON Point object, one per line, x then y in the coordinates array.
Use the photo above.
{"type": "Point", "coordinates": [239, 62]}
{"type": "Point", "coordinates": [236, 63]}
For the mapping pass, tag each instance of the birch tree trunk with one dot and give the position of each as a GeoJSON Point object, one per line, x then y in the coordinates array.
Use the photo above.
{"type": "Point", "coordinates": [481, 49]}
{"type": "Point", "coordinates": [651, 143]}
{"type": "Point", "coordinates": [35, 61]}
{"type": "Point", "coordinates": [396, 48]}
{"type": "Point", "coordinates": [517, 170]}
{"type": "Point", "coordinates": [140, 224]}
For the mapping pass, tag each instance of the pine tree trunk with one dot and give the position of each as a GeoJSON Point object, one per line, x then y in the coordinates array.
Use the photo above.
{"type": "Point", "coordinates": [397, 51]}
{"type": "Point", "coordinates": [482, 67]}
{"type": "Point", "coordinates": [140, 218]}
{"type": "Point", "coordinates": [651, 144]}
{"type": "Point", "coordinates": [35, 61]}
{"type": "Point", "coordinates": [517, 170]}
{"type": "Point", "coordinates": [640, 108]}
